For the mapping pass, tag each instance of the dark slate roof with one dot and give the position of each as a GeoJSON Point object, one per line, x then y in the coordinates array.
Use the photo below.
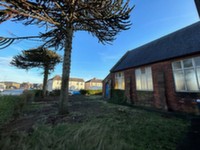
{"type": "Point", "coordinates": [183, 42]}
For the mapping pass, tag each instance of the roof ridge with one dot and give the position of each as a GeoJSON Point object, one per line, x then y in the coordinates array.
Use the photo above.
{"type": "Point", "coordinates": [179, 43]}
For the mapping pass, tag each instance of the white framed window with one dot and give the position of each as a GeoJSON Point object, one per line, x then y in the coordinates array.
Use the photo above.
{"type": "Point", "coordinates": [119, 81]}
{"type": "Point", "coordinates": [144, 80]}
{"type": "Point", "coordinates": [187, 75]}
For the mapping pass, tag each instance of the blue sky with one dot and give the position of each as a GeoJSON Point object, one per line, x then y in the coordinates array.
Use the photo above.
{"type": "Point", "coordinates": [150, 20]}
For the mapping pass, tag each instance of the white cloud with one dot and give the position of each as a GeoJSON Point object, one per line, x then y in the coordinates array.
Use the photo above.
{"type": "Point", "coordinates": [10, 73]}
{"type": "Point", "coordinates": [5, 61]}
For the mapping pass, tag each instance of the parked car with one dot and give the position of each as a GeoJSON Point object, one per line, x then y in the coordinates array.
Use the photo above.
{"type": "Point", "coordinates": [70, 92]}
{"type": "Point", "coordinates": [74, 92]}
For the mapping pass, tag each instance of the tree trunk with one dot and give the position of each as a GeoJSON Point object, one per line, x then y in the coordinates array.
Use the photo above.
{"type": "Point", "coordinates": [64, 97]}
{"type": "Point", "coordinates": [44, 88]}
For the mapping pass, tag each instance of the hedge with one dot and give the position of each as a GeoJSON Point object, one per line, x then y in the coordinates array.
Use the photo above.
{"type": "Point", "coordinates": [118, 96]}
{"type": "Point", "coordinates": [91, 92]}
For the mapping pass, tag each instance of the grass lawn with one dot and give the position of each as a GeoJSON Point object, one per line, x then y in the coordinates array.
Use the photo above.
{"type": "Point", "coordinates": [92, 125]}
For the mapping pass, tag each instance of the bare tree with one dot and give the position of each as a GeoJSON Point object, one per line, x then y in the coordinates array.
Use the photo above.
{"type": "Point", "coordinates": [40, 58]}
{"type": "Point", "coordinates": [104, 19]}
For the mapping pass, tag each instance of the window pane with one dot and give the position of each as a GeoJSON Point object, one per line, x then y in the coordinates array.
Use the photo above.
{"type": "Point", "coordinates": [149, 79]}
{"type": "Point", "coordinates": [138, 81]}
{"type": "Point", "coordinates": [142, 70]}
{"type": "Point", "coordinates": [143, 81]}
{"type": "Point", "coordinates": [123, 84]}
{"type": "Point", "coordinates": [197, 61]}
{"type": "Point", "coordinates": [191, 80]}
{"type": "Point", "coordinates": [116, 84]}
{"type": "Point", "coordinates": [198, 74]}
{"type": "Point", "coordinates": [176, 65]}
{"type": "Point", "coordinates": [119, 80]}
{"type": "Point", "coordinates": [179, 80]}
{"type": "Point", "coordinates": [187, 63]}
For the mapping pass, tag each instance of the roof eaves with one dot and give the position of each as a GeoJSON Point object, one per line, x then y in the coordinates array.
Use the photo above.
{"type": "Point", "coordinates": [150, 63]}
{"type": "Point", "coordinates": [122, 58]}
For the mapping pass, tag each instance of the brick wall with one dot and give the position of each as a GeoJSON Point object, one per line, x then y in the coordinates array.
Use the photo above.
{"type": "Point", "coordinates": [164, 95]}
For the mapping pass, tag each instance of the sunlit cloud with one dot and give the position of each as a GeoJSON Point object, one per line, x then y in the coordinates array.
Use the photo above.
{"type": "Point", "coordinates": [5, 61]}
{"type": "Point", "coordinates": [10, 73]}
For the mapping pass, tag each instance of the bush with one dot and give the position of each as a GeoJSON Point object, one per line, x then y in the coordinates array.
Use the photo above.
{"type": "Point", "coordinates": [38, 93]}
{"type": "Point", "coordinates": [54, 93]}
{"type": "Point", "coordinates": [118, 97]}
{"type": "Point", "coordinates": [11, 106]}
{"type": "Point", "coordinates": [29, 96]}
{"type": "Point", "coordinates": [83, 92]}
{"type": "Point", "coordinates": [91, 92]}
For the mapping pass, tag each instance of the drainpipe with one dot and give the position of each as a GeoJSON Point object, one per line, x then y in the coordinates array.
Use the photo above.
{"type": "Point", "coordinates": [197, 3]}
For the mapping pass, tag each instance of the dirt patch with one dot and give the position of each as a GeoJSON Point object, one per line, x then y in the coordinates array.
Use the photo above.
{"type": "Point", "coordinates": [80, 108]}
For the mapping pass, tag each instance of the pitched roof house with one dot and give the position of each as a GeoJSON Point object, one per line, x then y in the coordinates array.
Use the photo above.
{"type": "Point", "coordinates": [54, 83]}
{"type": "Point", "coordinates": [11, 85]}
{"type": "Point", "coordinates": [164, 73]}
{"type": "Point", "coordinates": [74, 83]}
{"type": "Point", "coordinates": [93, 84]}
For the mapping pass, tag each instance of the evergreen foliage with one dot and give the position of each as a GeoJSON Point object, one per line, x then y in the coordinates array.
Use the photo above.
{"type": "Point", "coordinates": [39, 58]}
{"type": "Point", "coordinates": [103, 19]}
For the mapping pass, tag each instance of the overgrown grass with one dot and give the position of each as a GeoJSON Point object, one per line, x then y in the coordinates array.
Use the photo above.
{"type": "Point", "coordinates": [91, 92]}
{"type": "Point", "coordinates": [121, 128]}
{"type": "Point", "coordinates": [12, 105]}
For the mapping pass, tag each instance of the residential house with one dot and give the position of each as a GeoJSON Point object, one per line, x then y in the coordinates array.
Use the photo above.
{"type": "Point", "coordinates": [93, 84]}
{"type": "Point", "coordinates": [164, 73]}
{"type": "Point", "coordinates": [36, 86]}
{"type": "Point", "coordinates": [25, 85]}
{"type": "Point", "coordinates": [11, 85]}
{"type": "Point", "coordinates": [2, 86]}
{"type": "Point", "coordinates": [54, 83]}
{"type": "Point", "coordinates": [74, 83]}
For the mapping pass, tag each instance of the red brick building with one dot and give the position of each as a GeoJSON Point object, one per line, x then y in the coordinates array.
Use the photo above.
{"type": "Point", "coordinates": [164, 74]}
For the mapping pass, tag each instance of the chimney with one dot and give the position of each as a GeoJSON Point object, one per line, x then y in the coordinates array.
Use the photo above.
{"type": "Point", "coordinates": [197, 3]}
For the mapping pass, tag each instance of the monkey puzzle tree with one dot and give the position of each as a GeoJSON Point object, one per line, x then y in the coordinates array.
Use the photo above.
{"type": "Point", "coordinates": [37, 58]}
{"type": "Point", "coordinates": [104, 19]}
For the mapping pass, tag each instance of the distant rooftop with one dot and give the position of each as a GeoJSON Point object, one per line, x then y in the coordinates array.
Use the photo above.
{"type": "Point", "coordinates": [94, 80]}
{"type": "Point", "coordinates": [57, 77]}
{"type": "Point", "coordinates": [76, 79]}
{"type": "Point", "coordinates": [9, 82]}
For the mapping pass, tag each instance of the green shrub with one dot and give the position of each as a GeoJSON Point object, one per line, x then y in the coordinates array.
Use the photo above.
{"type": "Point", "coordinates": [95, 92]}
{"type": "Point", "coordinates": [11, 106]}
{"type": "Point", "coordinates": [118, 97]}
{"type": "Point", "coordinates": [29, 95]}
{"type": "Point", "coordinates": [91, 92]}
{"type": "Point", "coordinates": [38, 93]}
{"type": "Point", "coordinates": [54, 93]}
{"type": "Point", "coordinates": [83, 92]}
